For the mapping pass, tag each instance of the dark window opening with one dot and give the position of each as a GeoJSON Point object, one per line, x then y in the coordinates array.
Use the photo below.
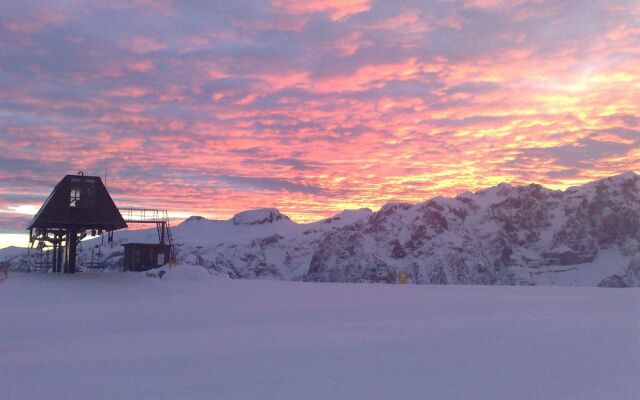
{"type": "Point", "coordinates": [74, 198]}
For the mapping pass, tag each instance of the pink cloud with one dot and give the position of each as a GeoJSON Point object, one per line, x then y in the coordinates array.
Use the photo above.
{"type": "Point", "coordinates": [337, 9]}
{"type": "Point", "coordinates": [141, 44]}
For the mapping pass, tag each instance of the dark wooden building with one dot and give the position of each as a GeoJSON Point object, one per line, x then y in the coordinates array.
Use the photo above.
{"type": "Point", "coordinates": [145, 256]}
{"type": "Point", "coordinates": [76, 205]}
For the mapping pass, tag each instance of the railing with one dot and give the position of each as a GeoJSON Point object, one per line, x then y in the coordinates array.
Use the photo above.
{"type": "Point", "coordinates": [144, 215]}
{"type": "Point", "coordinates": [152, 216]}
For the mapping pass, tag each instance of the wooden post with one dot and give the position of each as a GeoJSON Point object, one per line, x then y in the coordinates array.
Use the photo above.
{"type": "Point", "coordinates": [72, 240]}
{"type": "Point", "coordinates": [54, 262]}
{"type": "Point", "coordinates": [59, 265]}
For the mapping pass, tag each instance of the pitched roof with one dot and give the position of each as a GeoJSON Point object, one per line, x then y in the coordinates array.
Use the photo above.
{"type": "Point", "coordinates": [79, 202]}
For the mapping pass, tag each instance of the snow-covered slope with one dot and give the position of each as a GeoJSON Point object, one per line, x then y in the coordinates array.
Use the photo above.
{"type": "Point", "coordinates": [529, 235]}
{"type": "Point", "coordinates": [259, 243]}
{"type": "Point", "coordinates": [194, 336]}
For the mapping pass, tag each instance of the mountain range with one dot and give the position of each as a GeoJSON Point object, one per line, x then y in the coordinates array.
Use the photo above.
{"type": "Point", "coordinates": [505, 235]}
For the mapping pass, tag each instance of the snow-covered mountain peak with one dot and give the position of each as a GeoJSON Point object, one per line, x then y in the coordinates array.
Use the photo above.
{"type": "Point", "coordinates": [259, 216]}
{"type": "Point", "coordinates": [194, 219]}
{"type": "Point", "coordinates": [393, 207]}
{"type": "Point", "coordinates": [492, 195]}
{"type": "Point", "coordinates": [626, 175]}
{"type": "Point", "coordinates": [349, 216]}
{"type": "Point", "coordinates": [626, 178]}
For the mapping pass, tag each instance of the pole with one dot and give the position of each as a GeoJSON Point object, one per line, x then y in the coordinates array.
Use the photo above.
{"type": "Point", "coordinates": [54, 263]}
{"type": "Point", "coordinates": [60, 250]}
{"type": "Point", "coordinates": [66, 254]}
{"type": "Point", "coordinates": [73, 243]}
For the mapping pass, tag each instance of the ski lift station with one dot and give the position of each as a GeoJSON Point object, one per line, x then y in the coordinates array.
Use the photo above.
{"type": "Point", "coordinates": [80, 205]}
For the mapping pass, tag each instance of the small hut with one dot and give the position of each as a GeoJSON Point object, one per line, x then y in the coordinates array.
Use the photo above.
{"type": "Point", "coordinates": [145, 256]}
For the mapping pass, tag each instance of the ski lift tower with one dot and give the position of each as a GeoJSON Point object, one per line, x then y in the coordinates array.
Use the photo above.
{"type": "Point", "coordinates": [77, 205]}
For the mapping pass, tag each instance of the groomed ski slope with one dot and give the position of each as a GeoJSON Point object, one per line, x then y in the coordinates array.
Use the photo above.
{"type": "Point", "coordinates": [193, 336]}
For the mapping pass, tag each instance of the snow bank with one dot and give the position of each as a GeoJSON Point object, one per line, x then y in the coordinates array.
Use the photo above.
{"type": "Point", "coordinates": [127, 336]}
{"type": "Point", "coordinates": [179, 273]}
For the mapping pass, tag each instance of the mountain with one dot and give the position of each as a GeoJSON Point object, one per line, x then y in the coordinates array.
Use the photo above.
{"type": "Point", "coordinates": [262, 243]}
{"type": "Point", "coordinates": [509, 235]}
{"type": "Point", "coordinates": [502, 235]}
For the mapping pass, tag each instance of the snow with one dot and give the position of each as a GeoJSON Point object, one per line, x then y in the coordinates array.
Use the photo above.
{"type": "Point", "coordinates": [192, 336]}
{"type": "Point", "coordinates": [12, 251]}
{"type": "Point", "coordinates": [609, 262]}
{"type": "Point", "coordinates": [259, 216]}
{"type": "Point", "coordinates": [347, 217]}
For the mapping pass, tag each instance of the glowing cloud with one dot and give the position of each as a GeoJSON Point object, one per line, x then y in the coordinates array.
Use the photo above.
{"type": "Point", "coordinates": [337, 9]}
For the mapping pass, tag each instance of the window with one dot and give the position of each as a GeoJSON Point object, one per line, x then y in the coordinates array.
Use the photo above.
{"type": "Point", "coordinates": [74, 198]}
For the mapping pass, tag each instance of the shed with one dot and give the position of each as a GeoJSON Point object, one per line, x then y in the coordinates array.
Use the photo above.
{"type": "Point", "coordinates": [145, 256]}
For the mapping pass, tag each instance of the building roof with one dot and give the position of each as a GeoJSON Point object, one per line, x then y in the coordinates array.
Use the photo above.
{"type": "Point", "coordinates": [79, 202]}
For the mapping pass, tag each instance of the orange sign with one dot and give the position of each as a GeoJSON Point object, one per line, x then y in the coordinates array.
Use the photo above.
{"type": "Point", "coordinates": [402, 277]}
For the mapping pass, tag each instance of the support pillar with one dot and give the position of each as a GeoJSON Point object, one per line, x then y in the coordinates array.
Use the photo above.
{"type": "Point", "coordinates": [54, 262]}
{"type": "Point", "coordinates": [59, 264]}
{"type": "Point", "coordinates": [72, 243]}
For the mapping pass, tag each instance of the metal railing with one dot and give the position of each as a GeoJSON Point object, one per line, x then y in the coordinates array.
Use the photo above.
{"type": "Point", "coordinates": [144, 215]}
{"type": "Point", "coordinates": [152, 216]}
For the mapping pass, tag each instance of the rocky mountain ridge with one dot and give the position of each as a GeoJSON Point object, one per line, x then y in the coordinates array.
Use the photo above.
{"type": "Point", "coordinates": [495, 236]}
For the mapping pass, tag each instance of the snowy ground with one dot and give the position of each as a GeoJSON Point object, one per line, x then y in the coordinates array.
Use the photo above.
{"type": "Point", "coordinates": [608, 262]}
{"type": "Point", "coordinates": [191, 336]}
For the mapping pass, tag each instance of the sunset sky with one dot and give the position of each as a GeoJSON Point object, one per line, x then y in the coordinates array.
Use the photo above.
{"type": "Point", "coordinates": [213, 107]}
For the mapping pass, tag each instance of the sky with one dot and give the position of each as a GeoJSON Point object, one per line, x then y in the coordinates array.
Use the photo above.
{"type": "Point", "coordinates": [214, 107]}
